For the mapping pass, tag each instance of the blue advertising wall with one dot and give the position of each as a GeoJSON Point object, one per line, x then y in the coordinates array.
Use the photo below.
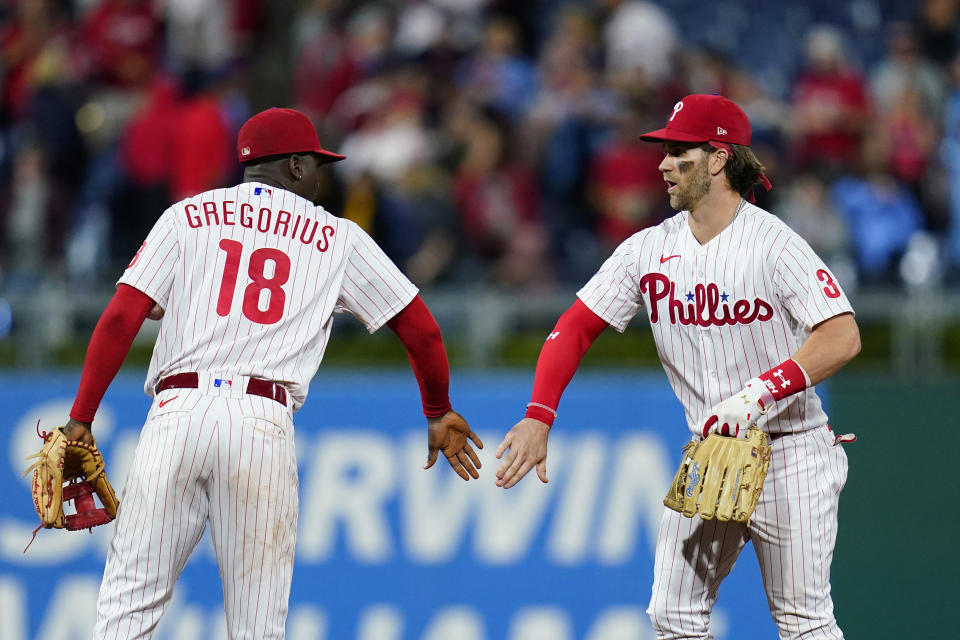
{"type": "Point", "coordinates": [386, 550]}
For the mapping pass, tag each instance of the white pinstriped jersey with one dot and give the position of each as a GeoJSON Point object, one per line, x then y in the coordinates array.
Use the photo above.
{"type": "Point", "coordinates": [723, 312]}
{"type": "Point", "coordinates": [250, 277]}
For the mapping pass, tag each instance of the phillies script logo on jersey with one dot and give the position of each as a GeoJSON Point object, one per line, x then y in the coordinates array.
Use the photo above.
{"type": "Point", "coordinates": [704, 306]}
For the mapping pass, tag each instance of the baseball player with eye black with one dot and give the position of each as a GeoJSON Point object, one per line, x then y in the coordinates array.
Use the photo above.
{"type": "Point", "coordinates": [245, 281]}
{"type": "Point", "coordinates": [746, 319]}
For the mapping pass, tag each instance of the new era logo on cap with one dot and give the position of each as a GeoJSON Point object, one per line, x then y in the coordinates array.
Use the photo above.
{"type": "Point", "coordinates": [245, 151]}
{"type": "Point", "coordinates": [721, 131]}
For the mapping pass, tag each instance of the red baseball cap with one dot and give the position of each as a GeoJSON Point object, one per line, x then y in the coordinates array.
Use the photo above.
{"type": "Point", "coordinates": [279, 132]}
{"type": "Point", "coordinates": [704, 118]}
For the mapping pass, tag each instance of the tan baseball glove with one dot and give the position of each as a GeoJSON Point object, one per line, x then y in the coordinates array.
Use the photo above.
{"type": "Point", "coordinates": [81, 466]}
{"type": "Point", "coordinates": [721, 476]}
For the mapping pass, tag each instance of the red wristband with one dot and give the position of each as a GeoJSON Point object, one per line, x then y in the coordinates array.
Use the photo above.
{"type": "Point", "coordinates": [785, 379]}
{"type": "Point", "coordinates": [541, 412]}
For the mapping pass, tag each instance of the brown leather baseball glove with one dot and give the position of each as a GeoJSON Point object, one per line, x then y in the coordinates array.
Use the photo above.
{"type": "Point", "coordinates": [81, 466]}
{"type": "Point", "coordinates": [721, 476]}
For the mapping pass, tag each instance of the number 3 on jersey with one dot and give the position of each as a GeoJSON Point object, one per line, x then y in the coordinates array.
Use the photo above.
{"type": "Point", "coordinates": [830, 289]}
{"type": "Point", "coordinates": [259, 282]}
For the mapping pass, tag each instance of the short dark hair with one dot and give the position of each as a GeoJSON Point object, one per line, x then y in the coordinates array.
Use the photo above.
{"type": "Point", "coordinates": [265, 160]}
{"type": "Point", "coordinates": [321, 159]}
{"type": "Point", "coordinates": [742, 169]}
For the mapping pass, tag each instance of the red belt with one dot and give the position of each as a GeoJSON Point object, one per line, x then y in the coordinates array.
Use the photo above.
{"type": "Point", "coordinates": [255, 386]}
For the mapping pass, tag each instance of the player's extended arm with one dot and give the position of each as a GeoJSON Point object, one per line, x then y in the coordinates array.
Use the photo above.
{"type": "Point", "coordinates": [559, 358]}
{"type": "Point", "coordinates": [830, 345]}
{"type": "Point", "coordinates": [447, 431]}
{"type": "Point", "coordinates": [117, 327]}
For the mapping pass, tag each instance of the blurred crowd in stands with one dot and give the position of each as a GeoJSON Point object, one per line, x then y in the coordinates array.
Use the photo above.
{"type": "Point", "coordinates": [488, 142]}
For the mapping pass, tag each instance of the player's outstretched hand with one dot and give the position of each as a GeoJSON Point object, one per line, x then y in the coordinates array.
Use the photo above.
{"type": "Point", "coordinates": [526, 446]}
{"type": "Point", "coordinates": [450, 434]}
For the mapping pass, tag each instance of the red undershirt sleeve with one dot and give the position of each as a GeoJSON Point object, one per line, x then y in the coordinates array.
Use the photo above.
{"type": "Point", "coordinates": [559, 358]}
{"type": "Point", "coordinates": [109, 345]}
{"type": "Point", "coordinates": [421, 336]}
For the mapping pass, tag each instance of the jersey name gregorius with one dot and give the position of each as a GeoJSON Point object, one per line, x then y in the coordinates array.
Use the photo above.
{"type": "Point", "coordinates": [249, 278]}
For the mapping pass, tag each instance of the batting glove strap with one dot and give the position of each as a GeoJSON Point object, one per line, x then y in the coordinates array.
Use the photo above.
{"type": "Point", "coordinates": [757, 391]}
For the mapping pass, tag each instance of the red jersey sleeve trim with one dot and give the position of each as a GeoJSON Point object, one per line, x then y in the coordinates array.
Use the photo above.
{"type": "Point", "coordinates": [421, 337]}
{"type": "Point", "coordinates": [117, 327]}
{"type": "Point", "coordinates": [559, 358]}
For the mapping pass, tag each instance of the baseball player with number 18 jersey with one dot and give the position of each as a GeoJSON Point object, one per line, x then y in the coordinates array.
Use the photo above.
{"type": "Point", "coordinates": [746, 319]}
{"type": "Point", "coordinates": [246, 281]}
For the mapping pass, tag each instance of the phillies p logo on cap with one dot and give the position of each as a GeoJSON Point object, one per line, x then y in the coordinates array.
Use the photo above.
{"type": "Point", "coordinates": [702, 118]}
{"type": "Point", "coordinates": [676, 109]}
